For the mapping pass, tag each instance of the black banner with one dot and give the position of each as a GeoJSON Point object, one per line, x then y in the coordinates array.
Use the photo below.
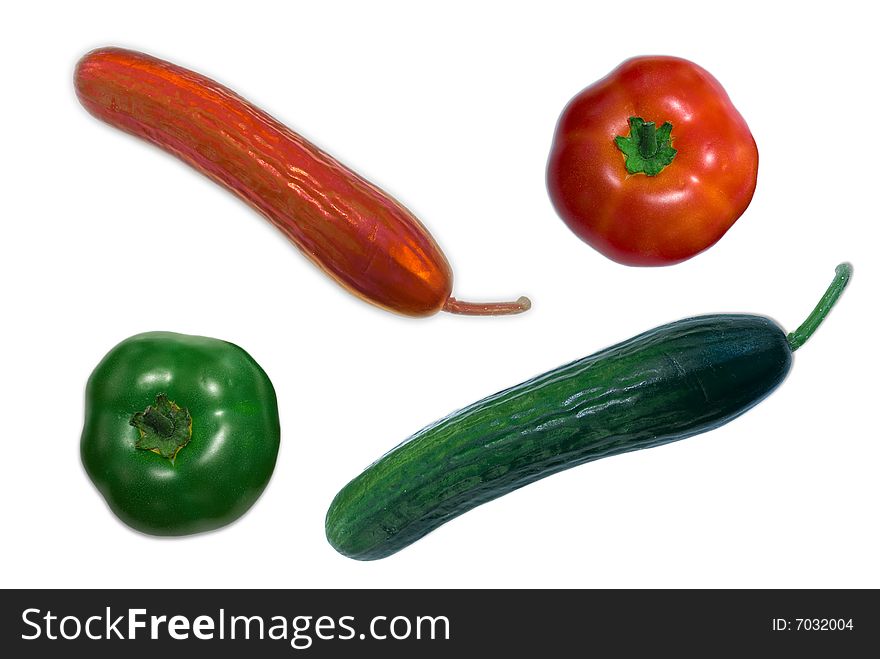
{"type": "Point", "coordinates": [429, 623]}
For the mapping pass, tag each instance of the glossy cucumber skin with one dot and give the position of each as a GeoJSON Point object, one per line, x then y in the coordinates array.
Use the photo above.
{"type": "Point", "coordinates": [667, 384]}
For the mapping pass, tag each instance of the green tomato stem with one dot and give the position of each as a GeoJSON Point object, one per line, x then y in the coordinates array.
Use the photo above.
{"type": "Point", "coordinates": [647, 149]}
{"type": "Point", "coordinates": [800, 336]}
{"type": "Point", "coordinates": [158, 422]}
{"type": "Point", "coordinates": [648, 146]}
{"type": "Point", "coordinates": [164, 427]}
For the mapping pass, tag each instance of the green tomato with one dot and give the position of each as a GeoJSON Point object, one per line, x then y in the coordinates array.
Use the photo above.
{"type": "Point", "coordinates": [181, 432]}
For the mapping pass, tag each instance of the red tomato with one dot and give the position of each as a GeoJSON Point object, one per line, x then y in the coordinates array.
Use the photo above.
{"type": "Point", "coordinates": [689, 182]}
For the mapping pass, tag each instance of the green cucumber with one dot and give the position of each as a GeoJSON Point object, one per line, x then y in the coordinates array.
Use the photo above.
{"type": "Point", "coordinates": [669, 383]}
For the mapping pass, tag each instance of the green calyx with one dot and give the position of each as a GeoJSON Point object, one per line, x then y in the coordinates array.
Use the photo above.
{"type": "Point", "coordinates": [647, 149]}
{"type": "Point", "coordinates": [164, 427]}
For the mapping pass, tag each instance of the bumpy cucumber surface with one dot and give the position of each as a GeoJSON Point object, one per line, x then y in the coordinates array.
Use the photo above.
{"type": "Point", "coordinates": [359, 235]}
{"type": "Point", "coordinates": [666, 384]}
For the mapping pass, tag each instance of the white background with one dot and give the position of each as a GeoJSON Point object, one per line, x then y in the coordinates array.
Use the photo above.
{"type": "Point", "coordinates": [452, 110]}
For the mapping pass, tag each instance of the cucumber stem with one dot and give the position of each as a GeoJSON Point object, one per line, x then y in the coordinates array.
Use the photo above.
{"type": "Point", "coordinates": [487, 308]}
{"type": "Point", "coordinates": [841, 278]}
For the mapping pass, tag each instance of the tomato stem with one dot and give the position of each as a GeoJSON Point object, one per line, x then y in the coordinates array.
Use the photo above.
{"type": "Point", "coordinates": [800, 336]}
{"type": "Point", "coordinates": [164, 427]}
{"type": "Point", "coordinates": [648, 145]}
{"type": "Point", "coordinates": [487, 308]}
{"type": "Point", "coordinates": [158, 422]}
{"type": "Point", "coordinates": [647, 149]}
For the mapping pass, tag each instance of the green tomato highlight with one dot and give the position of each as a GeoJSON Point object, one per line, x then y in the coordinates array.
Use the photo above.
{"type": "Point", "coordinates": [181, 432]}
